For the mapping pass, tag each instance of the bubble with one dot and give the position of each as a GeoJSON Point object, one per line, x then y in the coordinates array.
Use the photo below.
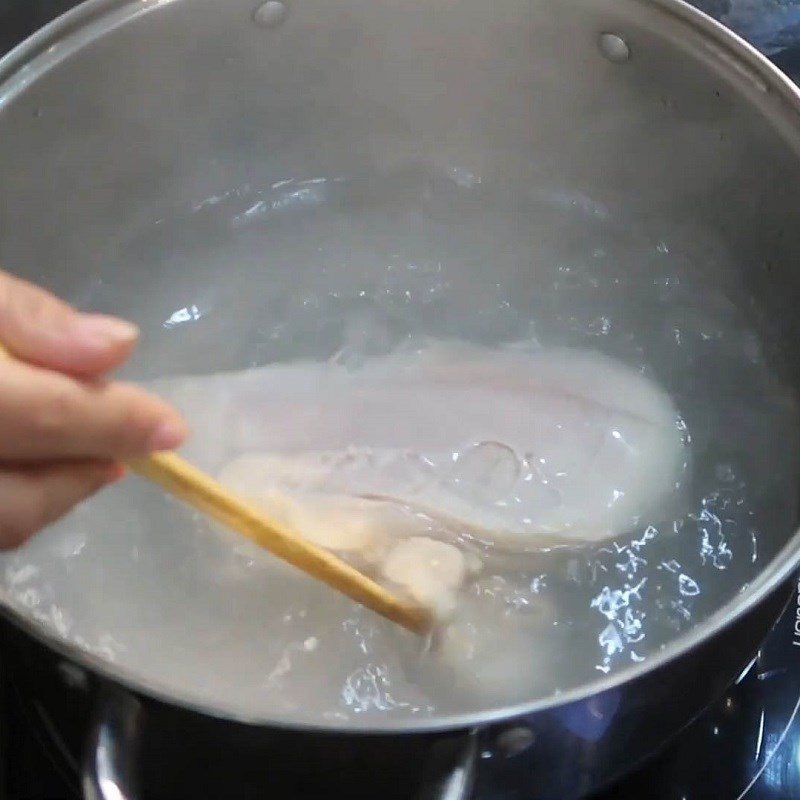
{"type": "Point", "coordinates": [487, 468]}
{"type": "Point", "coordinates": [687, 586]}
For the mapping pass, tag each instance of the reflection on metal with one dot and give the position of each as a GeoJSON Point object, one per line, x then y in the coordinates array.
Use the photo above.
{"type": "Point", "coordinates": [187, 314]}
{"type": "Point", "coordinates": [760, 738]}
{"type": "Point", "coordinates": [451, 771]}
{"type": "Point", "coordinates": [111, 756]}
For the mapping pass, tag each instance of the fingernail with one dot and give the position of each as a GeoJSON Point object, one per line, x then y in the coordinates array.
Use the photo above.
{"type": "Point", "coordinates": [167, 436]}
{"type": "Point", "coordinates": [114, 473]}
{"type": "Point", "coordinates": [106, 330]}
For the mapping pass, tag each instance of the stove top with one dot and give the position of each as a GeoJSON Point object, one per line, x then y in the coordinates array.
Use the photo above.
{"type": "Point", "coordinates": [746, 746]}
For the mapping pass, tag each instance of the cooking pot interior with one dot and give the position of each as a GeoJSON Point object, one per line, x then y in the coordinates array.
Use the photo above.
{"type": "Point", "coordinates": [345, 177]}
{"type": "Point", "coordinates": [132, 131]}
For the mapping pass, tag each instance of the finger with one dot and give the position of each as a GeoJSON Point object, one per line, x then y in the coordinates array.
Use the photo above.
{"type": "Point", "coordinates": [41, 329]}
{"type": "Point", "coordinates": [31, 497]}
{"type": "Point", "coordinates": [47, 416]}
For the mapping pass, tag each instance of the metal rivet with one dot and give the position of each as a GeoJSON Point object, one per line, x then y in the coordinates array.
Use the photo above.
{"type": "Point", "coordinates": [270, 15]}
{"type": "Point", "coordinates": [614, 48]}
{"type": "Point", "coordinates": [513, 741]}
{"type": "Point", "coordinates": [73, 676]}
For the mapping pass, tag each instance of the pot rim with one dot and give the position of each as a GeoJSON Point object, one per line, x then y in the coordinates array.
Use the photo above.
{"type": "Point", "coordinates": [81, 25]}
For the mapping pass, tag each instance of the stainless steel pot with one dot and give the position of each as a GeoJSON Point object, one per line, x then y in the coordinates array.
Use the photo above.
{"type": "Point", "coordinates": [121, 110]}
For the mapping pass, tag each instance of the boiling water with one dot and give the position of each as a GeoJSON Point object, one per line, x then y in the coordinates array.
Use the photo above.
{"type": "Point", "coordinates": [340, 275]}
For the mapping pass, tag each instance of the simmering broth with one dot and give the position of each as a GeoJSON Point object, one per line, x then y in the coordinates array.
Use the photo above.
{"type": "Point", "coordinates": [384, 268]}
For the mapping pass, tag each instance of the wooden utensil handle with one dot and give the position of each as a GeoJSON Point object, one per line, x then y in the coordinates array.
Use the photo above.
{"type": "Point", "coordinates": [179, 478]}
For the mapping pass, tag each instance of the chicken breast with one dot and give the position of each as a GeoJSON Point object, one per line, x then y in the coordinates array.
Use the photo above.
{"type": "Point", "coordinates": [517, 449]}
{"type": "Point", "coordinates": [420, 465]}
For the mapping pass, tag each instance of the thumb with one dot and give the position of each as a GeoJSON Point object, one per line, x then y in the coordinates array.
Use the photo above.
{"type": "Point", "coordinates": [40, 329]}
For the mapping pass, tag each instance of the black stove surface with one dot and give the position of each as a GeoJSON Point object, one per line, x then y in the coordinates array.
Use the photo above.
{"type": "Point", "coordinates": [746, 745]}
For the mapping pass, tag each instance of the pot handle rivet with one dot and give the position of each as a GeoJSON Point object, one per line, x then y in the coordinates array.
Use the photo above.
{"type": "Point", "coordinates": [270, 14]}
{"type": "Point", "coordinates": [513, 741]}
{"type": "Point", "coordinates": [614, 48]}
{"type": "Point", "coordinates": [73, 676]}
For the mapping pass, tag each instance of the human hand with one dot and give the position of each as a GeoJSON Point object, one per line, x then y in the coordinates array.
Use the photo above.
{"type": "Point", "coordinates": [63, 427]}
